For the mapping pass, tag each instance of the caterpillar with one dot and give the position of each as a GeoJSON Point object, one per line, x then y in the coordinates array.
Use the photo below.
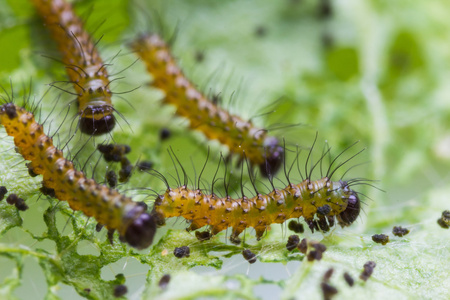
{"type": "Point", "coordinates": [110, 208]}
{"type": "Point", "coordinates": [84, 66]}
{"type": "Point", "coordinates": [319, 202]}
{"type": "Point", "coordinates": [241, 136]}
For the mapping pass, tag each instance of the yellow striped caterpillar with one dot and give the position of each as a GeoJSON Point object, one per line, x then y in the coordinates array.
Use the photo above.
{"type": "Point", "coordinates": [85, 68]}
{"type": "Point", "coordinates": [241, 137]}
{"type": "Point", "coordinates": [110, 208]}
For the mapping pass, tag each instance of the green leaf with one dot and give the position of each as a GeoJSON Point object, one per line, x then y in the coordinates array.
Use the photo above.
{"type": "Point", "coordinates": [376, 71]}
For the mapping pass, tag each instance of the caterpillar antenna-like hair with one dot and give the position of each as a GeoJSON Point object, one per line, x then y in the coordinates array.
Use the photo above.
{"type": "Point", "coordinates": [352, 167]}
{"type": "Point", "coordinates": [176, 169]}
{"type": "Point", "coordinates": [298, 162]}
{"type": "Point", "coordinates": [250, 175]}
{"type": "Point", "coordinates": [174, 34]}
{"type": "Point", "coordinates": [225, 186]}
{"type": "Point", "coordinates": [242, 175]}
{"type": "Point", "coordinates": [203, 169]}
{"type": "Point", "coordinates": [323, 156]}
{"type": "Point", "coordinates": [334, 160]}
{"type": "Point", "coordinates": [346, 161]}
{"type": "Point", "coordinates": [292, 165]}
{"type": "Point", "coordinates": [81, 148]}
{"type": "Point", "coordinates": [126, 68]}
{"type": "Point", "coordinates": [318, 161]}
{"type": "Point", "coordinates": [95, 167]}
{"type": "Point", "coordinates": [126, 92]}
{"type": "Point", "coordinates": [215, 174]}
{"type": "Point", "coordinates": [309, 155]}
{"type": "Point", "coordinates": [80, 45]}
{"type": "Point", "coordinates": [284, 164]}
{"type": "Point", "coordinates": [185, 177]}
{"type": "Point", "coordinates": [60, 125]}
{"type": "Point", "coordinates": [159, 175]}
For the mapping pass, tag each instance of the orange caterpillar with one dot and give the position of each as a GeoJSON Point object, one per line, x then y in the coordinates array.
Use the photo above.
{"type": "Point", "coordinates": [107, 206]}
{"type": "Point", "coordinates": [318, 202]}
{"type": "Point", "coordinates": [84, 66]}
{"type": "Point", "coordinates": [240, 136]}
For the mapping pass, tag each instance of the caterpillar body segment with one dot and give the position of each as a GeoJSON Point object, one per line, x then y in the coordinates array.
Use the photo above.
{"type": "Point", "coordinates": [110, 208]}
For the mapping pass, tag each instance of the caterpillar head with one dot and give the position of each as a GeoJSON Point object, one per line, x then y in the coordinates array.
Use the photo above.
{"type": "Point", "coordinates": [349, 215]}
{"type": "Point", "coordinates": [141, 231]}
{"type": "Point", "coordinates": [9, 109]}
{"type": "Point", "coordinates": [273, 157]}
{"type": "Point", "coordinates": [97, 120]}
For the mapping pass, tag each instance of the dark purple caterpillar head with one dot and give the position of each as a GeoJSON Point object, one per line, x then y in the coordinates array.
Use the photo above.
{"type": "Point", "coordinates": [97, 120]}
{"type": "Point", "coordinates": [273, 155]}
{"type": "Point", "coordinates": [351, 213]}
{"type": "Point", "coordinates": [140, 233]}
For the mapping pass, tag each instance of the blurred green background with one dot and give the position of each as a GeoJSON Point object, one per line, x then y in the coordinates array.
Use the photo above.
{"type": "Point", "coordinates": [374, 71]}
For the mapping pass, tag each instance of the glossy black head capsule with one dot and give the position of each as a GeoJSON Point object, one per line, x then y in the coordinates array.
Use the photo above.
{"type": "Point", "coordinates": [92, 126]}
{"type": "Point", "coordinates": [10, 110]}
{"type": "Point", "coordinates": [141, 232]}
{"type": "Point", "coordinates": [351, 213]}
{"type": "Point", "coordinates": [274, 157]}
